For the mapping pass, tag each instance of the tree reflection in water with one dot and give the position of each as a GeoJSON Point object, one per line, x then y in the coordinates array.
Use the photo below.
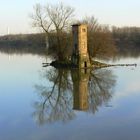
{"type": "Point", "coordinates": [72, 90]}
{"type": "Point", "coordinates": [101, 87]}
{"type": "Point", "coordinates": [56, 99]}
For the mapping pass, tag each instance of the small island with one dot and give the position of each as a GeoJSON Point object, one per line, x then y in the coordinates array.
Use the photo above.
{"type": "Point", "coordinates": [80, 56]}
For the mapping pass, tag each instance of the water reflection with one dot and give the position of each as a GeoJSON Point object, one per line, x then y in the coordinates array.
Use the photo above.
{"type": "Point", "coordinates": [92, 89]}
{"type": "Point", "coordinates": [68, 91]}
{"type": "Point", "coordinates": [56, 99]}
{"type": "Point", "coordinates": [80, 80]}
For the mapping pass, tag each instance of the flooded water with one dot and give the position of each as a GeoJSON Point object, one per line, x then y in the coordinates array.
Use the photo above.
{"type": "Point", "coordinates": [39, 103]}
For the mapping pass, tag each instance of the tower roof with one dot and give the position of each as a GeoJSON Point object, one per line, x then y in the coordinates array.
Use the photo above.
{"type": "Point", "coordinates": [78, 24]}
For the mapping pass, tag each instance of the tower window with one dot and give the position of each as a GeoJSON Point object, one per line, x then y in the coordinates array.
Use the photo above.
{"type": "Point", "coordinates": [83, 30]}
{"type": "Point", "coordinates": [76, 46]}
{"type": "Point", "coordinates": [85, 64]}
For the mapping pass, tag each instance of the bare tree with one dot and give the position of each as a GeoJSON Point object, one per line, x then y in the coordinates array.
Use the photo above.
{"type": "Point", "coordinates": [100, 40]}
{"type": "Point", "coordinates": [54, 19]}
{"type": "Point", "coordinates": [40, 19]}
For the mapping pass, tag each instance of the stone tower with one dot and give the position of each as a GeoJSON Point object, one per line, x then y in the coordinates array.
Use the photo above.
{"type": "Point", "coordinates": [80, 56]}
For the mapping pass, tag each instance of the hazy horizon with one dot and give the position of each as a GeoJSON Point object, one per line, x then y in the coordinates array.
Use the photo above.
{"type": "Point", "coordinates": [15, 14]}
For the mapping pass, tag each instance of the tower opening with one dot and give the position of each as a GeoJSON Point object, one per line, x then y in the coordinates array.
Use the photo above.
{"type": "Point", "coordinates": [85, 64]}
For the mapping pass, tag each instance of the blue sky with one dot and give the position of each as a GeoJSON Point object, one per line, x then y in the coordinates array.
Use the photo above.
{"type": "Point", "coordinates": [15, 13]}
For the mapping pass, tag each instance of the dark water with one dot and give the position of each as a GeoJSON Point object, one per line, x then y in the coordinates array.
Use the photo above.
{"type": "Point", "coordinates": [39, 103]}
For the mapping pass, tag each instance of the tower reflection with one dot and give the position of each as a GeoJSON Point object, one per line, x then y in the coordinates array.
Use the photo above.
{"type": "Point", "coordinates": [65, 91]}
{"type": "Point", "coordinates": [80, 80]}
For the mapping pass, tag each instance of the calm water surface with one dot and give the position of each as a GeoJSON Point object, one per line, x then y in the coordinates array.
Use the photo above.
{"type": "Point", "coordinates": [39, 103]}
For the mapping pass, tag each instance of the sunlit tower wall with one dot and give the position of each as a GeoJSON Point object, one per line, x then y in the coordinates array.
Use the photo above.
{"type": "Point", "coordinates": [80, 56]}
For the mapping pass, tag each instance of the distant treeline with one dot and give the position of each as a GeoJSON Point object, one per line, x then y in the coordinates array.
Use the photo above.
{"type": "Point", "coordinates": [127, 40]}
{"type": "Point", "coordinates": [23, 43]}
